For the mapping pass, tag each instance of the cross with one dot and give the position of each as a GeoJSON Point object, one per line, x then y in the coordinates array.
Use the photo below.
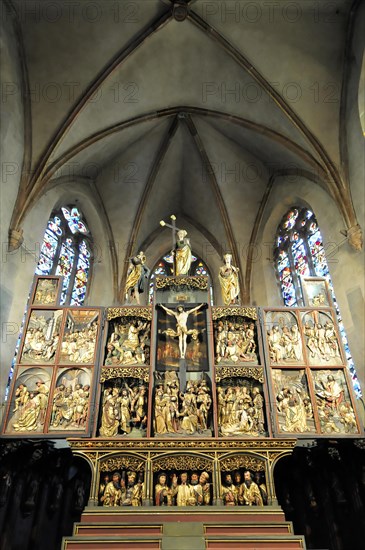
{"type": "Point", "coordinates": [173, 227]}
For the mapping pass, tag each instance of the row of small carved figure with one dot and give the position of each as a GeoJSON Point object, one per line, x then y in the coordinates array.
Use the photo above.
{"type": "Point", "coordinates": [184, 489]}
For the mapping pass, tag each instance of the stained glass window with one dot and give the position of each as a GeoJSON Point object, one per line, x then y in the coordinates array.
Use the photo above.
{"type": "Point", "coordinates": [299, 251]}
{"type": "Point", "coordinates": [66, 251]}
{"type": "Point", "coordinates": [164, 267]}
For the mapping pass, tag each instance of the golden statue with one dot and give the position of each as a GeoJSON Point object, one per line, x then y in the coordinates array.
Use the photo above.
{"type": "Point", "coordinates": [137, 273]}
{"type": "Point", "coordinates": [182, 253]}
{"type": "Point", "coordinates": [228, 278]}
{"type": "Point", "coordinates": [249, 492]}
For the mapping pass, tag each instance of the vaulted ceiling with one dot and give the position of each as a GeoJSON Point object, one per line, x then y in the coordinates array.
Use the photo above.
{"type": "Point", "coordinates": [189, 107]}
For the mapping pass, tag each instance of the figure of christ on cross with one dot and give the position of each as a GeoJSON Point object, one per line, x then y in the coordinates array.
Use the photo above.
{"type": "Point", "coordinates": [182, 330]}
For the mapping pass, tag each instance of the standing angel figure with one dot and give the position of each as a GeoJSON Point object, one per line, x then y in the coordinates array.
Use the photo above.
{"type": "Point", "coordinates": [182, 253]}
{"type": "Point", "coordinates": [182, 330]}
{"type": "Point", "coordinates": [228, 278]}
{"type": "Point", "coordinates": [136, 278]}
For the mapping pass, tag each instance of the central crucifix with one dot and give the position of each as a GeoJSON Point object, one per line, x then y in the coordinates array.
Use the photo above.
{"type": "Point", "coordinates": [181, 248]}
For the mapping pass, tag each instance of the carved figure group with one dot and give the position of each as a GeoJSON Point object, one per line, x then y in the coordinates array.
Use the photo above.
{"type": "Point", "coordinates": [195, 492]}
{"type": "Point", "coordinates": [46, 292]}
{"type": "Point", "coordinates": [322, 343]}
{"type": "Point", "coordinates": [121, 491]}
{"type": "Point", "coordinates": [247, 493]}
{"type": "Point", "coordinates": [79, 346]}
{"type": "Point", "coordinates": [129, 343]}
{"type": "Point", "coordinates": [240, 411]}
{"type": "Point", "coordinates": [39, 345]}
{"type": "Point", "coordinates": [30, 408]}
{"type": "Point", "coordinates": [182, 413]}
{"type": "Point", "coordinates": [296, 409]}
{"type": "Point", "coordinates": [122, 409]}
{"type": "Point", "coordinates": [235, 341]}
{"type": "Point", "coordinates": [335, 413]}
{"type": "Point", "coordinates": [285, 343]}
{"type": "Point", "coordinates": [70, 407]}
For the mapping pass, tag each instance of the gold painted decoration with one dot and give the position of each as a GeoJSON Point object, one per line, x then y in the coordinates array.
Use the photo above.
{"type": "Point", "coordinates": [108, 373]}
{"type": "Point", "coordinates": [218, 445]}
{"type": "Point", "coordinates": [218, 312]}
{"type": "Point", "coordinates": [249, 372]}
{"type": "Point", "coordinates": [242, 461]}
{"type": "Point", "coordinates": [182, 462]}
{"type": "Point", "coordinates": [122, 463]}
{"type": "Point", "coordinates": [143, 312]}
{"type": "Point", "coordinates": [199, 282]}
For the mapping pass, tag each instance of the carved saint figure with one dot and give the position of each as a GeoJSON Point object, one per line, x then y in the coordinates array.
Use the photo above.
{"type": "Point", "coordinates": [228, 278]}
{"type": "Point", "coordinates": [113, 491]}
{"type": "Point", "coordinates": [201, 489]}
{"type": "Point", "coordinates": [182, 253]}
{"type": "Point", "coordinates": [249, 493]}
{"type": "Point", "coordinates": [137, 276]}
{"type": "Point", "coordinates": [229, 491]}
{"type": "Point", "coordinates": [184, 492]}
{"type": "Point", "coordinates": [163, 495]}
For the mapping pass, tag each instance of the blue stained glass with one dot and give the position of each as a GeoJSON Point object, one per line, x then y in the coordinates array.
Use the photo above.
{"type": "Point", "coordinates": [64, 267]}
{"type": "Point", "coordinates": [287, 286]}
{"type": "Point", "coordinates": [300, 258]}
{"type": "Point", "coordinates": [283, 262]}
{"type": "Point", "coordinates": [55, 226]}
{"type": "Point", "coordinates": [291, 219]}
{"type": "Point", "coordinates": [49, 245]}
{"type": "Point", "coordinates": [305, 237]}
{"type": "Point", "coordinates": [200, 270]}
{"type": "Point", "coordinates": [74, 220]}
{"type": "Point", "coordinates": [81, 276]}
{"type": "Point", "coordinates": [47, 252]}
{"type": "Point", "coordinates": [169, 258]}
{"type": "Point", "coordinates": [44, 266]}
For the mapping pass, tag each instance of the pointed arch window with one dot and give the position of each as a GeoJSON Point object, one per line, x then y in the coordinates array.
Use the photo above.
{"type": "Point", "coordinates": [299, 251]}
{"type": "Point", "coordinates": [165, 267]}
{"type": "Point", "coordinates": [66, 251]}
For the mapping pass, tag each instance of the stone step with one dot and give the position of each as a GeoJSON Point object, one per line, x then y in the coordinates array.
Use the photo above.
{"type": "Point", "coordinates": [293, 542]}
{"type": "Point", "coordinates": [187, 528]}
{"type": "Point", "coordinates": [210, 528]}
{"type": "Point", "coordinates": [186, 542]}
{"type": "Point", "coordinates": [204, 514]}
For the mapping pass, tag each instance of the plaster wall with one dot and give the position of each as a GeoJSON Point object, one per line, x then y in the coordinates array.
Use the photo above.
{"type": "Point", "coordinates": [11, 153]}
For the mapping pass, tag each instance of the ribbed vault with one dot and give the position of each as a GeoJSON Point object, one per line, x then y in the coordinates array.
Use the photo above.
{"type": "Point", "coordinates": [175, 107]}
